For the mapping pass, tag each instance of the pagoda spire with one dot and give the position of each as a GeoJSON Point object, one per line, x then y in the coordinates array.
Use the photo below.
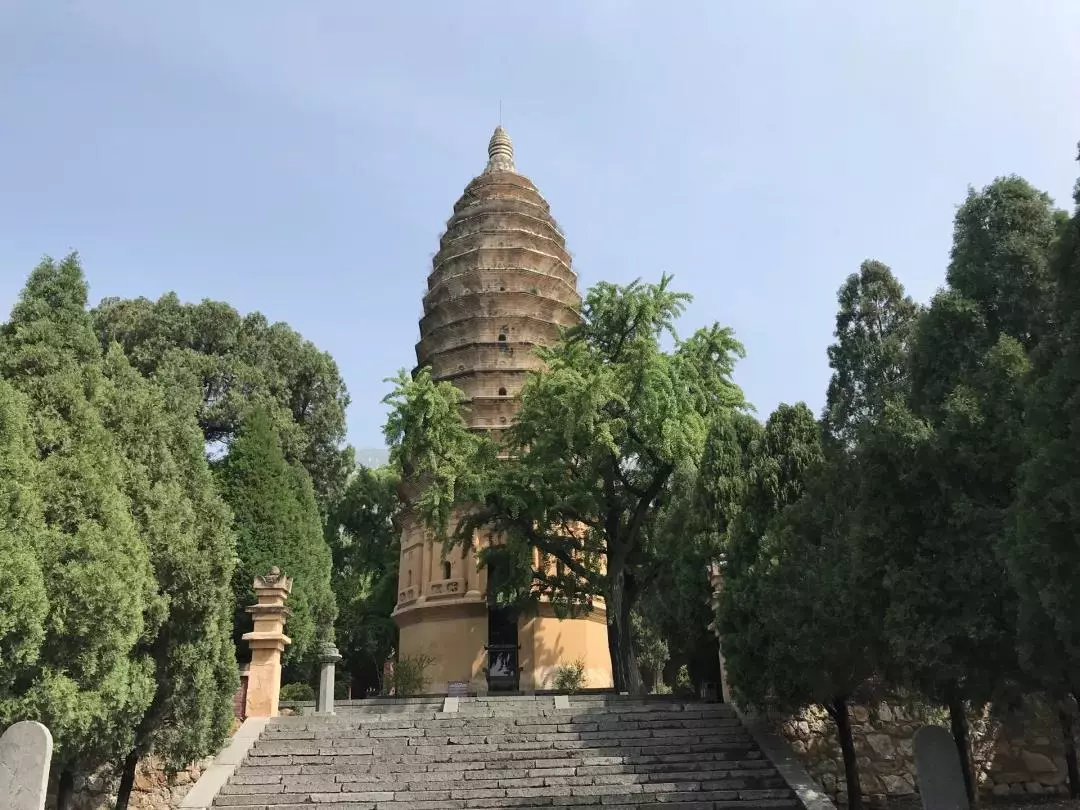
{"type": "Point", "coordinates": [500, 152]}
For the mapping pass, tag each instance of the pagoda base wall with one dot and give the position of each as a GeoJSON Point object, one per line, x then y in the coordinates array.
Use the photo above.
{"type": "Point", "coordinates": [453, 637]}
{"type": "Point", "coordinates": [548, 642]}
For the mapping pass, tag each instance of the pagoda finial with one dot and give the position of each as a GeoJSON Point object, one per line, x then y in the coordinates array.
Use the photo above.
{"type": "Point", "coordinates": [500, 152]}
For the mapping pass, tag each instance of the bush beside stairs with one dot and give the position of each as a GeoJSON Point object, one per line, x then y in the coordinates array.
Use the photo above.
{"type": "Point", "coordinates": [509, 752]}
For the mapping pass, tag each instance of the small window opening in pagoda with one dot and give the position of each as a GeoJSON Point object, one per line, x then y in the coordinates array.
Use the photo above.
{"type": "Point", "coordinates": [446, 572]}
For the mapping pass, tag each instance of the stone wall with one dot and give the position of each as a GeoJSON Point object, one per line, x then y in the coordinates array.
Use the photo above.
{"type": "Point", "coordinates": [154, 788]}
{"type": "Point", "coordinates": [1019, 752]}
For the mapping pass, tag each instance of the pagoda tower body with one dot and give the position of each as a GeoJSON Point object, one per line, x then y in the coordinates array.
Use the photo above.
{"type": "Point", "coordinates": [500, 285]}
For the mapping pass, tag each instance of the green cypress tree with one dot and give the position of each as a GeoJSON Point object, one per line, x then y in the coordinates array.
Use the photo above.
{"type": "Point", "coordinates": [186, 527]}
{"type": "Point", "coordinates": [89, 685]}
{"type": "Point", "coordinates": [277, 523]}
{"type": "Point", "coordinates": [941, 478]}
{"type": "Point", "coordinates": [24, 604]}
{"type": "Point", "coordinates": [1044, 552]}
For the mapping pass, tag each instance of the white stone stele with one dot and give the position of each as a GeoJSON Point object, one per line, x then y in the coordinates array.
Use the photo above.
{"type": "Point", "coordinates": [25, 754]}
{"type": "Point", "coordinates": [937, 767]}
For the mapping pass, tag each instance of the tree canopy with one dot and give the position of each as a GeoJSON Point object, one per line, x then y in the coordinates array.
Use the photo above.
{"type": "Point", "coordinates": [364, 542]}
{"type": "Point", "coordinates": [87, 681]}
{"type": "Point", "coordinates": [224, 363]}
{"type": "Point", "coordinates": [277, 523]}
{"type": "Point", "coordinates": [591, 455]}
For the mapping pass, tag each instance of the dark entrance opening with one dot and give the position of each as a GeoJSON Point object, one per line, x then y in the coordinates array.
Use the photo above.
{"type": "Point", "coordinates": [502, 645]}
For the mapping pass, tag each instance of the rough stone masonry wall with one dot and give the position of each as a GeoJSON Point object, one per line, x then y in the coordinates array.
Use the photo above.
{"type": "Point", "coordinates": [1018, 753]}
{"type": "Point", "coordinates": [154, 789]}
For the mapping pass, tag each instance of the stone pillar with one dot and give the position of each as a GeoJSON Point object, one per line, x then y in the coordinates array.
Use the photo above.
{"type": "Point", "coordinates": [267, 641]}
{"type": "Point", "coordinates": [715, 572]}
{"type": "Point", "coordinates": [328, 657]}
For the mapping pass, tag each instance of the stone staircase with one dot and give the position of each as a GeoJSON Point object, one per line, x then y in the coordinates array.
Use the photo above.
{"type": "Point", "coordinates": [509, 752]}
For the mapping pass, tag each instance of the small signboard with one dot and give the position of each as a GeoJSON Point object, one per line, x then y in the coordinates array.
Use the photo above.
{"type": "Point", "coordinates": [457, 689]}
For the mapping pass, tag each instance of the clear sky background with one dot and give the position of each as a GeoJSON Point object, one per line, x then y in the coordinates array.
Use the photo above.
{"type": "Point", "coordinates": [301, 158]}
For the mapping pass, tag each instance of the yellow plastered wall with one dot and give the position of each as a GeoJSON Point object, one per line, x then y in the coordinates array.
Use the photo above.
{"type": "Point", "coordinates": [547, 643]}
{"type": "Point", "coordinates": [454, 637]}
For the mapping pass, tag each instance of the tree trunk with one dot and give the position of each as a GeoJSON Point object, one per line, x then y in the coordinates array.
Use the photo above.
{"type": "Point", "coordinates": [65, 789]}
{"type": "Point", "coordinates": [127, 780]}
{"type": "Point", "coordinates": [1068, 734]}
{"type": "Point", "coordinates": [624, 668]}
{"type": "Point", "coordinates": [838, 710]}
{"type": "Point", "coordinates": [959, 723]}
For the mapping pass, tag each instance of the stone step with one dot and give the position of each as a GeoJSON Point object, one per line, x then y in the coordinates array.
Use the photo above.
{"type": "Point", "coordinates": [563, 796]}
{"type": "Point", "coordinates": [397, 738]}
{"type": "Point", "coordinates": [595, 723]}
{"type": "Point", "coordinates": [509, 752]}
{"type": "Point", "coordinates": [671, 801]}
{"type": "Point", "coordinates": [677, 761]}
{"type": "Point", "coordinates": [766, 787]}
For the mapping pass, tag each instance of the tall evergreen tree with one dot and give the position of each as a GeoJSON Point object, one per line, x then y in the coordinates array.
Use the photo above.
{"type": "Point", "coordinates": [24, 603]}
{"type": "Point", "coordinates": [952, 462]}
{"type": "Point", "coordinates": [276, 521]}
{"type": "Point", "coordinates": [869, 358]}
{"type": "Point", "coordinates": [90, 685]}
{"type": "Point", "coordinates": [779, 463]}
{"type": "Point", "coordinates": [1044, 552]}
{"type": "Point", "coordinates": [186, 527]}
{"type": "Point", "coordinates": [231, 362]}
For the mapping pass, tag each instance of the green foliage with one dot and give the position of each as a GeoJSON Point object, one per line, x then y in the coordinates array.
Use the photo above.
{"type": "Point", "coordinates": [593, 454]}
{"type": "Point", "coordinates": [276, 521]}
{"type": "Point", "coordinates": [652, 649]}
{"type": "Point", "coordinates": [1003, 243]}
{"type": "Point", "coordinates": [869, 357]}
{"type": "Point", "coordinates": [186, 528]}
{"type": "Point", "coordinates": [365, 547]}
{"type": "Point", "coordinates": [570, 678]}
{"type": "Point", "coordinates": [684, 685]}
{"type": "Point", "coordinates": [1044, 552]}
{"type": "Point", "coordinates": [410, 675]}
{"type": "Point", "coordinates": [221, 364]}
{"type": "Point", "coordinates": [438, 459]}
{"type": "Point", "coordinates": [692, 530]}
{"type": "Point", "coordinates": [297, 692]}
{"type": "Point", "coordinates": [88, 681]}
{"type": "Point", "coordinates": [952, 462]}
{"type": "Point", "coordinates": [24, 603]}
{"type": "Point", "coordinates": [755, 613]}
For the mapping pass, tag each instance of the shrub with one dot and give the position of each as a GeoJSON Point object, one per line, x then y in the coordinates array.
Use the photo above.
{"type": "Point", "coordinates": [683, 684]}
{"type": "Point", "coordinates": [410, 675]}
{"type": "Point", "coordinates": [570, 678]}
{"type": "Point", "coordinates": [297, 691]}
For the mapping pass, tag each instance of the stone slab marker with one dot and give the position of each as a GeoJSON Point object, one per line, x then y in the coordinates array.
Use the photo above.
{"type": "Point", "coordinates": [25, 754]}
{"type": "Point", "coordinates": [937, 767]}
{"type": "Point", "coordinates": [267, 641]}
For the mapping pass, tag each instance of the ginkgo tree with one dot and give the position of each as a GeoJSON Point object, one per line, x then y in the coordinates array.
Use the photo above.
{"type": "Point", "coordinates": [622, 403]}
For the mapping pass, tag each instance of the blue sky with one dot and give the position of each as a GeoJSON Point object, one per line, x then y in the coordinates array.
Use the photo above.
{"type": "Point", "coordinates": [301, 158]}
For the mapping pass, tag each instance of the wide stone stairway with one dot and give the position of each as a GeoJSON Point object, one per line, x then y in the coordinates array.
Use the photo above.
{"type": "Point", "coordinates": [508, 752]}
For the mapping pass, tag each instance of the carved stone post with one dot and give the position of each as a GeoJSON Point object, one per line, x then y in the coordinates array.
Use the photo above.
{"type": "Point", "coordinates": [716, 581]}
{"type": "Point", "coordinates": [328, 657]}
{"type": "Point", "coordinates": [267, 641]}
